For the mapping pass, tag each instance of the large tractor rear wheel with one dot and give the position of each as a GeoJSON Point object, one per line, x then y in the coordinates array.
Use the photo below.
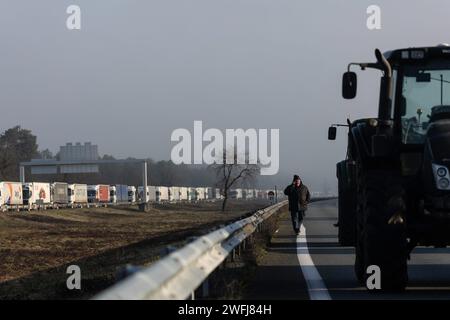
{"type": "Point", "coordinates": [381, 238]}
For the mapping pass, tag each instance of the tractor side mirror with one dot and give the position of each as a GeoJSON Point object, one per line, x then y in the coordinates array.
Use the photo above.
{"type": "Point", "coordinates": [349, 84]}
{"type": "Point", "coordinates": [332, 133]}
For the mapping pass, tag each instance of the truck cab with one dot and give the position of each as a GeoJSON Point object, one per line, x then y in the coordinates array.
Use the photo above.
{"type": "Point", "coordinates": [112, 194]}
{"type": "Point", "coordinates": [27, 192]}
{"type": "Point", "coordinates": [131, 194]}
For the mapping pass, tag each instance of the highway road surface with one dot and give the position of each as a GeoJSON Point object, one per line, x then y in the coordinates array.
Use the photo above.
{"type": "Point", "coordinates": [316, 267]}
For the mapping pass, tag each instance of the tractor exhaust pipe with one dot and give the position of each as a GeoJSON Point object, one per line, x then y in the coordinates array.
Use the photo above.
{"type": "Point", "coordinates": [386, 66]}
{"type": "Point", "coordinates": [385, 104]}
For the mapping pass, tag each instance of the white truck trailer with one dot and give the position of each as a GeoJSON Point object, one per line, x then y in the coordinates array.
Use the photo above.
{"type": "Point", "coordinates": [216, 193]}
{"type": "Point", "coordinates": [236, 193]}
{"type": "Point", "coordinates": [77, 194]}
{"type": "Point", "coordinates": [184, 194]}
{"type": "Point", "coordinates": [11, 194]}
{"type": "Point", "coordinates": [59, 193]}
{"type": "Point", "coordinates": [249, 194]}
{"type": "Point", "coordinates": [174, 193]}
{"type": "Point", "coordinates": [36, 194]}
{"type": "Point", "coordinates": [201, 194]}
{"type": "Point", "coordinates": [209, 193]}
{"type": "Point", "coordinates": [192, 194]}
{"type": "Point", "coordinates": [162, 194]}
{"type": "Point", "coordinates": [151, 193]}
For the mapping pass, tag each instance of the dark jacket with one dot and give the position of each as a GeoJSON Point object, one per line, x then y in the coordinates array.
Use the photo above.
{"type": "Point", "coordinates": [298, 197]}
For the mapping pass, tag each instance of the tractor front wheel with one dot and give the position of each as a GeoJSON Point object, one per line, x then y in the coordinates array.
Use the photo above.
{"type": "Point", "coordinates": [381, 239]}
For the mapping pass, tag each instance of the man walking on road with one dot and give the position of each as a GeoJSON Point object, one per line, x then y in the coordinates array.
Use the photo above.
{"type": "Point", "coordinates": [298, 195]}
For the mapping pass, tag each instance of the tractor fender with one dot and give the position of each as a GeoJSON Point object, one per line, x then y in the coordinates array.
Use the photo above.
{"type": "Point", "coordinates": [360, 141]}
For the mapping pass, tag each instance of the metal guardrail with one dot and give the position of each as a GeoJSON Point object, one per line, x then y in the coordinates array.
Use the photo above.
{"type": "Point", "coordinates": [179, 274]}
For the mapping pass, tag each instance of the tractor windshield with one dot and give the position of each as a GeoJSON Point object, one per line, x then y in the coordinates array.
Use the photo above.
{"type": "Point", "coordinates": [423, 87]}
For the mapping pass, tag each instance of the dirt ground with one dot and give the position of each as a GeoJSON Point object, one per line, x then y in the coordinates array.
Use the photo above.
{"type": "Point", "coordinates": [37, 247]}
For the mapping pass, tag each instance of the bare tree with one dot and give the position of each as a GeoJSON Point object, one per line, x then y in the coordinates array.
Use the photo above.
{"type": "Point", "coordinates": [232, 173]}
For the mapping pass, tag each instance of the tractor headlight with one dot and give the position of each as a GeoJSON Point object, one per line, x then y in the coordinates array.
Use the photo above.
{"type": "Point", "coordinates": [373, 122]}
{"type": "Point", "coordinates": [443, 183]}
{"type": "Point", "coordinates": [441, 171]}
{"type": "Point", "coordinates": [441, 176]}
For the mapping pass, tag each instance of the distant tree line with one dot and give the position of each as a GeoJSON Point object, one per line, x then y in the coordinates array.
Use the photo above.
{"type": "Point", "coordinates": [160, 173]}
{"type": "Point", "coordinates": [16, 145]}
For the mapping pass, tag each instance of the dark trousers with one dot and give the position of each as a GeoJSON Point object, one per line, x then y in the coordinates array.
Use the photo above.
{"type": "Point", "coordinates": [297, 219]}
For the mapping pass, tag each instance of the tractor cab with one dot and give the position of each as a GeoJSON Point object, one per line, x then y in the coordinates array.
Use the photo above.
{"type": "Point", "coordinates": [412, 129]}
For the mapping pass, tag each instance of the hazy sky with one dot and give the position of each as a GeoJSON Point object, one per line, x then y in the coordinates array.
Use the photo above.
{"type": "Point", "coordinates": [137, 70]}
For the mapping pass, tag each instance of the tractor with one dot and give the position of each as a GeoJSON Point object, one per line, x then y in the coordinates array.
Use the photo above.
{"type": "Point", "coordinates": [394, 185]}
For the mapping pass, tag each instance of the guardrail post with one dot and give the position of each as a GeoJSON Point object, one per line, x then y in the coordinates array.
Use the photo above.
{"type": "Point", "coordinates": [128, 270]}
{"type": "Point", "coordinates": [167, 250]}
{"type": "Point", "coordinates": [205, 288]}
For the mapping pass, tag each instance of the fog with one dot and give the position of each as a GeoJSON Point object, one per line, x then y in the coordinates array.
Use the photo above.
{"type": "Point", "coordinates": [137, 70]}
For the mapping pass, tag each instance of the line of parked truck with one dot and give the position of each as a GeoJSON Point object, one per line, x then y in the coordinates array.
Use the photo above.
{"type": "Point", "coordinates": [40, 195]}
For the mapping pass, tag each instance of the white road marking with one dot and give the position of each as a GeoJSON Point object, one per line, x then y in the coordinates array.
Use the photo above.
{"type": "Point", "coordinates": [316, 287]}
{"type": "Point", "coordinates": [315, 248]}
